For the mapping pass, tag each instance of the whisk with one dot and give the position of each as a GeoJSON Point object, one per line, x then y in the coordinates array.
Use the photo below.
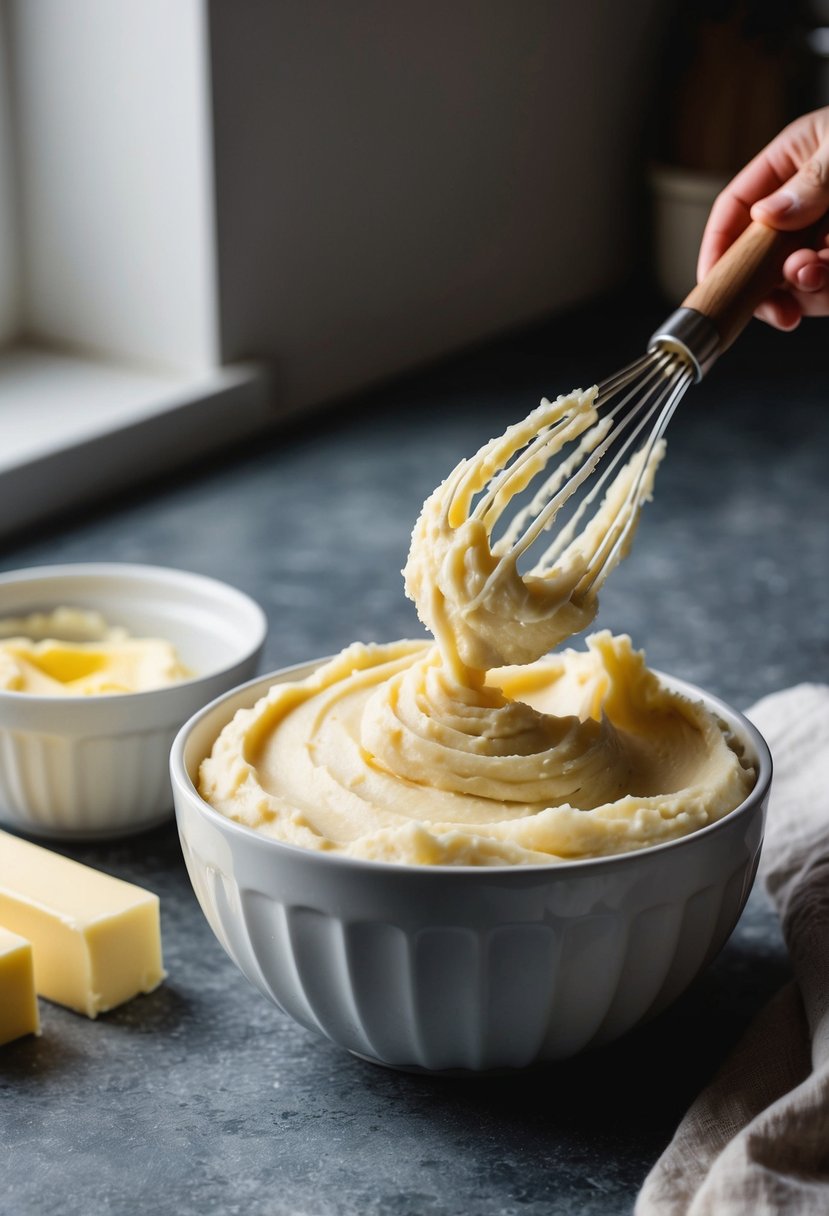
{"type": "Point", "coordinates": [634, 407]}
{"type": "Point", "coordinates": [594, 455]}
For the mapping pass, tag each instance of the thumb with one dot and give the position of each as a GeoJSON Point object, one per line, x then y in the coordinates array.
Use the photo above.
{"type": "Point", "coordinates": [803, 200]}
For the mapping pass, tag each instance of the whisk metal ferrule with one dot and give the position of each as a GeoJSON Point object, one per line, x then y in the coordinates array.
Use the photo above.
{"type": "Point", "coordinates": [692, 335]}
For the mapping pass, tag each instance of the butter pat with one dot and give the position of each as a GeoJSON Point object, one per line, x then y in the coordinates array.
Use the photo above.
{"type": "Point", "coordinates": [73, 652]}
{"type": "Point", "coordinates": [18, 1002]}
{"type": "Point", "coordinates": [96, 940]}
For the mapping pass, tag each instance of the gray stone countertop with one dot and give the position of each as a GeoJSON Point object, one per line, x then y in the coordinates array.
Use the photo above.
{"type": "Point", "coordinates": [201, 1097]}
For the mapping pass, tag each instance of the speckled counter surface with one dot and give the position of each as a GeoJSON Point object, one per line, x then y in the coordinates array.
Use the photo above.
{"type": "Point", "coordinates": [201, 1097]}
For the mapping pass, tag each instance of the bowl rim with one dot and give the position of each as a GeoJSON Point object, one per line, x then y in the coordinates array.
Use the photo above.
{"type": "Point", "coordinates": [135, 571]}
{"type": "Point", "coordinates": [746, 731]}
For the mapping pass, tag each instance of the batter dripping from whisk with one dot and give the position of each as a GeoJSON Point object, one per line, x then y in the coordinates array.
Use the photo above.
{"type": "Point", "coordinates": [468, 589]}
{"type": "Point", "coordinates": [478, 750]}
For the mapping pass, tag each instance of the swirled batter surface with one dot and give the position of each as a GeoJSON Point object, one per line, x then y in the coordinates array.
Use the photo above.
{"type": "Point", "coordinates": [381, 754]}
{"type": "Point", "coordinates": [481, 748]}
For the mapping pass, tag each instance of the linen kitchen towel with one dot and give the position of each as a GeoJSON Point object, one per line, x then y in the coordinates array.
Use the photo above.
{"type": "Point", "coordinates": [756, 1141]}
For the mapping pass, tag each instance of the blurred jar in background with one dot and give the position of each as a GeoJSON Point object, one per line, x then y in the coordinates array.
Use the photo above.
{"type": "Point", "coordinates": [814, 47]}
{"type": "Point", "coordinates": [730, 83]}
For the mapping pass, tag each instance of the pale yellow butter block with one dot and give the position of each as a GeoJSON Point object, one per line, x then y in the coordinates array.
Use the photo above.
{"type": "Point", "coordinates": [18, 1001]}
{"type": "Point", "coordinates": [96, 940]}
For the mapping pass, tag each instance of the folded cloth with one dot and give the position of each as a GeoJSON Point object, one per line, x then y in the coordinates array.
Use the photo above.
{"type": "Point", "coordinates": [756, 1141]}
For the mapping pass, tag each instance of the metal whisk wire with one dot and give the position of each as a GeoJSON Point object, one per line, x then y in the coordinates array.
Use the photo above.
{"type": "Point", "coordinates": [641, 395]}
{"type": "Point", "coordinates": [651, 383]}
{"type": "Point", "coordinates": [678, 377]}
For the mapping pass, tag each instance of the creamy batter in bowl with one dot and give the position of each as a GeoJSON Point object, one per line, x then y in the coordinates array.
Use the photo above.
{"type": "Point", "coordinates": [456, 967]}
{"type": "Point", "coordinates": [482, 748]}
{"type": "Point", "coordinates": [383, 754]}
{"type": "Point", "coordinates": [473, 854]}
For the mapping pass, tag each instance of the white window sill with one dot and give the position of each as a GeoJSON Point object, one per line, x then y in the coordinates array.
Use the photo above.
{"type": "Point", "coordinates": [73, 428]}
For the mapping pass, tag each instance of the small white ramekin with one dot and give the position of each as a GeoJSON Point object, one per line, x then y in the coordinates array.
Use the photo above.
{"type": "Point", "coordinates": [97, 766]}
{"type": "Point", "coordinates": [461, 968]}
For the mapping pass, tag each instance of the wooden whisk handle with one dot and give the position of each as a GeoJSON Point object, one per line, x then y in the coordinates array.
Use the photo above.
{"type": "Point", "coordinates": [743, 277]}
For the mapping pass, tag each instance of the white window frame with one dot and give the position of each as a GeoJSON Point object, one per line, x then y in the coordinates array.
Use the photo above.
{"type": "Point", "coordinates": [110, 366]}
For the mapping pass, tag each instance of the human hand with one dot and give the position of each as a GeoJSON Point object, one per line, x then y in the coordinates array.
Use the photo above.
{"type": "Point", "coordinates": [786, 186]}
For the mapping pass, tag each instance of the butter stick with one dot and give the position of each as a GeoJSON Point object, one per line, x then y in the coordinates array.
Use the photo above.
{"type": "Point", "coordinates": [96, 940]}
{"type": "Point", "coordinates": [18, 1002]}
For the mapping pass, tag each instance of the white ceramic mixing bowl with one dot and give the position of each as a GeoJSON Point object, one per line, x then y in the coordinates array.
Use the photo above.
{"type": "Point", "coordinates": [76, 766]}
{"type": "Point", "coordinates": [450, 968]}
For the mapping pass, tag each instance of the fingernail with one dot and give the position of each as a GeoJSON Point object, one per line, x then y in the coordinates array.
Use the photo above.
{"type": "Point", "coordinates": [811, 277]}
{"type": "Point", "coordinates": [779, 204]}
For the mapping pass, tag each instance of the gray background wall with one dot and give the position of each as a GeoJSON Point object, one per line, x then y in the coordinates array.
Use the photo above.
{"type": "Point", "coordinates": [396, 179]}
